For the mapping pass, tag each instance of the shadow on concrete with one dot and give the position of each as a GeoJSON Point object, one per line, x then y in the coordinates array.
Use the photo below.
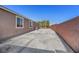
{"type": "Point", "coordinates": [67, 46]}
{"type": "Point", "coordinates": [21, 49]}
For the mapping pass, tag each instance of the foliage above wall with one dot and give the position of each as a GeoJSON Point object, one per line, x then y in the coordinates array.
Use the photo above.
{"type": "Point", "coordinates": [44, 24]}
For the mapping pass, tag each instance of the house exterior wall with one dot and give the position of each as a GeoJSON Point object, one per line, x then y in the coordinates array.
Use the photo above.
{"type": "Point", "coordinates": [8, 25]}
{"type": "Point", "coordinates": [35, 26]}
{"type": "Point", "coordinates": [69, 30]}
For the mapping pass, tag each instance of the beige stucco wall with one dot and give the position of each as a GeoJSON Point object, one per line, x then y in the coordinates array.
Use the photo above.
{"type": "Point", "coordinates": [8, 25]}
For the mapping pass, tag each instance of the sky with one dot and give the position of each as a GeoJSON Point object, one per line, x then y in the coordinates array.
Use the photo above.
{"type": "Point", "coordinates": [54, 13]}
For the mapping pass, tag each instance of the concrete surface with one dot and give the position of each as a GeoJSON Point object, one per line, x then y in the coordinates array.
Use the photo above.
{"type": "Point", "coordinates": [42, 40]}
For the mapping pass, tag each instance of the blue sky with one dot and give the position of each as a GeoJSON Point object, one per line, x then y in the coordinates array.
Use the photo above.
{"type": "Point", "coordinates": [54, 13]}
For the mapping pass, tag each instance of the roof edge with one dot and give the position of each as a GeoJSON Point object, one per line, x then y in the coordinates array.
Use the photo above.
{"type": "Point", "coordinates": [11, 11]}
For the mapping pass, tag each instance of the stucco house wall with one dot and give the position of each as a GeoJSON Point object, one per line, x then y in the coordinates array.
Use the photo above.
{"type": "Point", "coordinates": [8, 24]}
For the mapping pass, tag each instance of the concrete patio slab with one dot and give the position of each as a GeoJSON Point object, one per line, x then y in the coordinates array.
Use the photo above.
{"type": "Point", "coordinates": [45, 39]}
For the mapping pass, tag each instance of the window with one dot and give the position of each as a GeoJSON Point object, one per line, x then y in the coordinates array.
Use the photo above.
{"type": "Point", "coordinates": [31, 24]}
{"type": "Point", "coordinates": [19, 22]}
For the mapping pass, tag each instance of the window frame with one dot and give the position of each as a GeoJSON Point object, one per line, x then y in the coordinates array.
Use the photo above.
{"type": "Point", "coordinates": [22, 22]}
{"type": "Point", "coordinates": [31, 24]}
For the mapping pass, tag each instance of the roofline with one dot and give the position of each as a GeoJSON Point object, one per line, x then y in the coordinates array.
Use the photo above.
{"type": "Point", "coordinates": [11, 11]}
{"type": "Point", "coordinates": [71, 19]}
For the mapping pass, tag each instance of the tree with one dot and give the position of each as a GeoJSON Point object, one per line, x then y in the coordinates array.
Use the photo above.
{"type": "Point", "coordinates": [43, 24]}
